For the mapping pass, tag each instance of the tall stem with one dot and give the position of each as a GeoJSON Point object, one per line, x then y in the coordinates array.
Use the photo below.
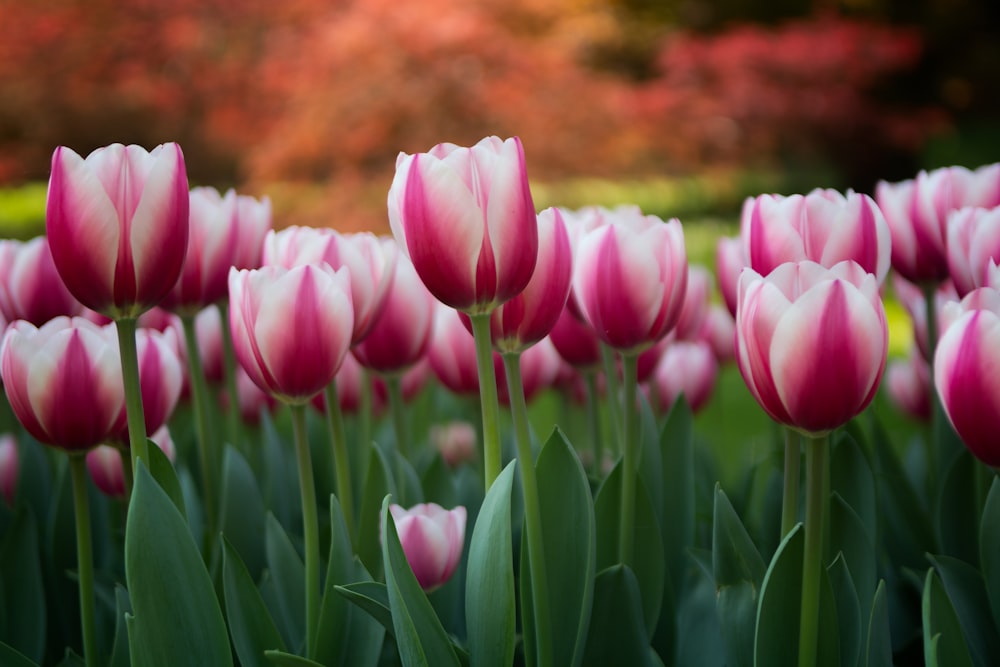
{"type": "Point", "coordinates": [229, 370]}
{"type": "Point", "coordinates": [611, 380]}
{"type": "Point", "coordinates": [341, 460]}
{"type": "Point", "coordinates": [133, 391]}
{"type": "Point", "coordinates": [790, 495]}
{"type": "Point", "coordinates": [397, 406]}
{"type": "Point", "coordinates": [127, 475]}
{"type": "Point", "coordinates": [84, 557]}
{"type": "Point", "coordinates": [630, 446]}
{"type": "Point", "coordinates": [532, 510]}
{"type": "Point", "coordinates": [933, 447]}
{"type": "Point", "coordinates": [594, 419]}
{"type": "Point", "coordinates": [310, 525]}
{"type": "Point", "coordinates": [487, 398]}
{"type": "Point", "coordinates": [366, 408]}
{"type": "Point", "coordinates": [200, 398]}
{"type": "Point", "coordinates": [817, 460]}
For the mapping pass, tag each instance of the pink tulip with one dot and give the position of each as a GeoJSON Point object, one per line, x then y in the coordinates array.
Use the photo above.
{"type": "Point", "coordinates": [161, 376]}
{"type": "Point", "coordinates": [64, 381]}
{"type": "Point", "coordinates": [718, 330]}
{"type": "Point", "coordinates": [687, 368]}
{"type": "Point", "coordinates": [31, 286]}
{"type": "Point", "coordinates": [915, 304]}
{"type": "Point", "coordinates": [649, 359]}
{"type": "Point", "coordinates": [696, 301]}
{"type": "Point", "coordinates": [432, 539]}
{"type": "Point", "coordinates": [291, 327]}
{"type": "Point", "coordinates": [575, 341]}
{"type": "Point", "coordinates": [401, 335]}
{"type": "Point", "coordinates": [630, 278]}
{"type": "Point", "coordinates": [730, 258]}
{"type": "Point", "coordinates": [908, 383]}
{"type": "Point", "coordinates": [211, 250]}
{"type": "Point", "coordinates": [452, 353]}
{"type": "Point", "coordinates": [467, 221]}
{"type": "Point", "coordinates": [10, 468]}
{"type": "Point", "coordinates": [251, 399]}
{"type": "Point", "coordinates": [455, 441]}
{"type": "Point", "coordinates": [349, 381]}
{"type": "Point", "coordinates": [118, 225]}
{"type": "Point", "coordinates": [823, 226]}
{"type": "Point", "coordinates": [580, 222]}
{"type": "Point", "coordinates": [208, 332]}
{"type": "Point", "coordinates": [973, 248]}
{"type": "Point", "coordinates": [104, 463]}
{"type": "Point", "coordinates": [811, 342]}
{"type": "Point", "coordinates": [253, 218]}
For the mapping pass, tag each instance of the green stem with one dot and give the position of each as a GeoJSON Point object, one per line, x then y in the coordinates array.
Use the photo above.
{"type": "Point", "coordinates": [611, 382]}
{"type": "Point", "coordinates": [200, 399]}
{"type": "Point", "coordinates": [310, 525]}
{"type": "Point", "coordinates": [229, 370]}
{"type": "Point", "coordinates": [594, 418]}
{"type": "Point", "coordinates": [341, 460]}
{"type": "Point", "coordinates": [366, 408]}
{"type": "Point", "coordinates": [630, 446]}
{"type": "Point", "coordinates": [126, 472]}
{"type": "Point", "coordinates": [133, 391]}
{"type": "Point", "coordinates": [84, 557]}
{"type": "Point", "coordinates": [398, 409]}
{"type": "Point", "coordinates": [790, 496]}
{"type": "Point", "coordinates": [488, 400]}
{"type": "Point", "coordinates": [933, 447]}
{"type": "Point", "coordinates": [817, 459]}
{"type": "Point", "coordinates": [532, 510]}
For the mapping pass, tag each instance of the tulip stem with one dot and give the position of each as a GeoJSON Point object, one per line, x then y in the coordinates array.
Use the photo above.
{"type": "Point", "coordinates": [126, 473]}
{"type": "Point", "coordinates": [229, 368]}
{"type": "Point", "coordinates": [366, 408]}
{"type": "Point", "coordinates": [532, 510]}
{"type": "Point", "coordinates": [487, 397]}
{"type": "Point", "coordinates": [790, 495]}
{"type": "Point", "coordinates": [398, 409]}
{"type": "Point", "coordinates": [595, 419]}
{"type": "Point", "coordinates": [817, 482]}
{"type": "Point", "coordinates": [199, 395]}
{"type": "Point", "coordinates": [84, 556]}
{"type": "Point", "coordinates": [630, 446]}
{"type": "Point", "coordinates": [310, 524]}
{"type": "Point", "coordinates": [341, 459]}
{"type": "Point", "coordinates": [611, 380]}
{"type": "Point", "coordinates": [133, 390]}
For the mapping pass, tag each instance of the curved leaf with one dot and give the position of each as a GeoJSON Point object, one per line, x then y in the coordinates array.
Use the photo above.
{"type": "Point", "coordinates": [242, 512]}
{"type": "Point", "coordinates": [878, 651]}
{"type": "Point", "coordinates": [23, 598]}
{"type": "Point", "coordinates": [617, 632]}
{"type": "Point", "coordinates": [284, 591]}
{"type": "Point", "coordinates": [943, 640]}
{"type": "Point", "coordinates": [967, 592]}
{"type": "Point", "coordinates": [250, 624]}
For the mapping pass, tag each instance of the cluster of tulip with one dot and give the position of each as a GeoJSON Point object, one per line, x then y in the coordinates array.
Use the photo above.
{"type": "Point", "coordinates": [145, 291]}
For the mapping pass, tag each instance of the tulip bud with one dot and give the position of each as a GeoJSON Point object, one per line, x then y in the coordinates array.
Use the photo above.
{"type": "Point", "coordinates": [432, 539]}
{"type": "Point", "coordinates": [31, 286]}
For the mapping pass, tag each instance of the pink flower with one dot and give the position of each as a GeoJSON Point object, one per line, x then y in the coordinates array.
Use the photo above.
{"type": "Point", "coordinates": [10, 468]}
{"type": "Point", "coordinates": [908, 383]}
{"type": "Point", "coordinates": [118, 225]}
{"type": "Point", "coordinates": [973, 248]}
{"type": "Point", "coordinates": [687, 368]}
{"type": "Point", "coordinates": [823, 226]}
{"type": "Point", "coordinates": [467, 221]}
{"type": "Point", "coordinates": [456, 442]}
{"type": "Point", "coordinates": [575, 341]}
{"type": "Point", "coordinates": [349, 380]}
{"type": "Point", "coordinates": [250, 397]}
{"type": "Point", "coordinates": [31, 286]}
{"type": "Point", "coordinates": [253, 221]}
{"type": "Point", "coordinates": [104, 463]}
{"type": "Point", "coordinates": [291, 327]}
{"type": "Point", "coordinates": [161, 376]}
{"type": "Point", "coordinates": [696, 300]}
{"type": "Point", "coordinates": [915, 304]}
{"type": "Point", "coordinates": [64, 381]}
{"type": "Point", "coordinates": [730, 258]}
{"type": "Point", "coordinates": [432, 539]}
{"type": "Point", "coordinates": [630, 279]}
{"type": "Point", "coordinates": [540, 366]}
{"type": "Point", "coordinates": [452, 353]}
{"type": "Point", "coordinates": [811, 342]}
{"type": "Point", "coordinates": [718, 329]}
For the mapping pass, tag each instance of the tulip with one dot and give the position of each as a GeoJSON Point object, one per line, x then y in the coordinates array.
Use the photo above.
{"type": "Point", "coordinates": [647, 361]}
{"type": "Point", "coordinates": [209, 332]}
{"type": "Point", "coordinates": [719, 330]}
{"type": "Point", "coordinates": [687, 368]}
{"type": "Point", "coordinates": [916, 306]}
{"type": "Point", "coordinates": [823, 226]}
{"type": "Point", "coordinates": [117, 225]}
{"type": "Point", "coordinates": [811, 342]}
{"type": "Point", "coordinates": [575, 341]}
{"type": "Point", "coordinates": [10, 468]}
{"type": "Point", "coordinates": [455, 441]}
{"type": "Point", "coordinates": [291, 327]}
{"type": "Point", "coordinates": [973, 248]}
{"type": "Point", "coordinates": [253, 223]}
{"type": "Point", "coordinates": [107, 469]}
{"type": "Point", "coordinates": [31, 286]}
{"type": "Point", "coordinates": [730, 258]}
{"type": "Point", "coordinates": [696, 300]}
{"type": "Point", "coordinates": [251, 398]}
{"type": "Point", "coordinates": [349, 380]}
{"type": "Point", "coordinates": [908, 382]}
{"type": "Point", "coordinates": [432, 539]}
{"type": "Point", "coordinates": [161, 376]}
{"type": "Point", "coordinates": [452, 353]}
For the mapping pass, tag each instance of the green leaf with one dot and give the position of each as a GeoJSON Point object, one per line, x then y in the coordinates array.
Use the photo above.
{"type": "Point", "coordinates": [989, 548]}
{"type": "Point", "coordinates": [647, 552]}
{"type": "Point", "coordinates": [849, 536]}
{"type": "Point", "coordinates": [11, 657]}
{"type": "Point", "coordinates": [71, 659]}
{"type": "Point", "coordinates": [420, 637]}
{"type": "Point", "coordinates": [878, 649]}
{"type": "Point", "coordinates": [373, 597]}
{"type": "Point", "coordinates": [366, 634]}
{"type": "Point", "coordinates": [377, 485]}
{"type": "Point", "coordinates": [163, 472]}
{"type": "Point", "coordinates": [677, 526]}
{"type": "Point", "coordinates": [776, 642]}
{"type": "Point", "coordinates": [283, 659]}
{"type": "Point", "coordinates": [174, 624]}
{"type": "Point", "coordinates": [119, 650]}
{"type": "Point", "coordinates": [241, 511]}
{"type": "Point", "coordinates": [942, 632]}
{"type": "Point", "coordinates": [958, 509]}
{"type": "Point", "coordinates": [250, 624]}
{"type": "Point", "coordinates": [23, 598]}
{"type": "Point", "coordinates": [967, 592]}
{"type": "Point", "coordinates": [617, 631]}
{"type": "Point", "coordinates": [848, 611]}
{"type": "Point", "coordinates": [851, 476]}
{"type": "Point", "coordinates": [439, 483]}
{"type": "Point", "coordinates": [489, 590]}
{"type": "Point", "coordinates": [285, 591]}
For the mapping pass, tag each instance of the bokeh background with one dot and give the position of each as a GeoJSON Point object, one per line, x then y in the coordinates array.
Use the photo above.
{"type": "Point", "coordinates": [682, 106]}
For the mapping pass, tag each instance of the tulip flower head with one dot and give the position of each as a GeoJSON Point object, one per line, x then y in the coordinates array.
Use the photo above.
{"type": "Point", "coordinates": [730, 258]}
{"type": "Point", "coordinates": [908, 383]}
{"type": "Point", "coordinates": [253, 218]}
{"type": "Point", "coordinates": [974, 248]}
{"type": "Point", "coordinates": [117, 225]}
{"type": "Point", "coordinates": [687, 368]}
{"type": "Point", "coordinates": [104, 463]}
{"type": "Point", "coordinates": [31, 287]}
{"type": "Point", "coordinates": [455, 441]}
{"type": "Point", "coordinates": [811, 342]}
{"type": "Point", "coordinates": [432, 539]}
{"type": "Point", "coordinates": [161, 377]}
{"type": "Point", "coordinates": [575, 341]}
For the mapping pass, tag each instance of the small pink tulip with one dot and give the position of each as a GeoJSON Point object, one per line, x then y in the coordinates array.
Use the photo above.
{"type": "Point", "coordinates": [630, 278]}
{"type": "Point", "coordinates": [811, 342]}
{"type": "Point", "coordinates": [973, 247]}
{"type": "Point", "coordinates": [64, 381]}
{"type": "Point", "coordinates": [719, 330]}
{"type": "Point", "coordinates": [432, 539]}
{"type": "Point", "coordinates": [730, 258]}
{"type": "Point", "coordinates": [908, 383]}
{"type": "Point", "coordinates": [104, 463]}
{"type": "Point", "coordinates": [208, 332]}
{"type": "Point", "coordinates": [161, 376]}
{"type": "Point", "coordinates": [452, 354]}
{"type": "Point", "coordinates": [252, 400]}
{"type": "Point", "coordinates": [696, 301]}
{"type": "Point", "coordinates": [253, 221]}
{"type": "Point", "coordinates": [915, 305]}
{"type": "Point", "coordinates": [10, 468]}
{"type": "Point", "coordinates": [291, 327]}
{"type": "Point", "coordinates": [118, 225]}
{"type": "Point", "coordinates": [575, 341]}
{"type": "Point", "coordinates": [456, 442]}
{"type": "Point", "coordinates": [466, 219]}
{"type": "Point", "coordinates": [687, 368]}
{"type": "Point", "coordinates": [31, 286]}
{"type": "Point", "coordinates": [649, 359]}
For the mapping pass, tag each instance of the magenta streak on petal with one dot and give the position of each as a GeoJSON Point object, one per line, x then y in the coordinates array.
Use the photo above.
{"type": "Point", "coordinates": [867, 239]}
{"type": "Point", "coordinates": [757, 341]}
{"type": "Point", "coordinates": [249, 314]}
{"type": "Point", "coordinates": [69, 415]}
{"type": "Point", "coordinates": [929, 262]}
{"type": "Point", "coordinates": [486, 268]}
{"type": "Point", "coordinates": [311, 365]}
{"type": "Point", "coordinates": [971, 399]}
{"type": "Point", "coordinates": [125, 203]}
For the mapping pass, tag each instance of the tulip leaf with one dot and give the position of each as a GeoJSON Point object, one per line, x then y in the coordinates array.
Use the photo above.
{"type": "Point", "coordinates": [420, 637]}
{"type": "Point", "coordinates": [174, 624]}
{"type": "Point", "coordinates": [647, 551]}
{"type": "Point", "coordinates": [677, 525]}
{"type": "Point", "coordinates": [617, 630]}
{"type": "Point", "coordinates": [958, 509]}
{"type": "Point", "coordinates": [651, 461]}
{"type": "Point", "coordinates": [849, 536]}
{"type": "Point", "coordinates": [23, 598]}
{"type": "Point", "coordinates": [278, 479]}
{"type": "Point", "coordinates": [283, 659]}
{"type": "Point", "coordinates": [250, 624]}
{"type": "Point", "coordinates": [71, 659]}
{"type": "Point", "coordinates": [366, 634]}
{"type": "Point", "coordinates": [989, 548]}
{"type": "Point", "coordinates": [776, 641]}
{"type": "Point", "coordinates": [438, 483]}
{"type": "Point", "coordinates": [848, 611]}
{"type": "Point", "coordinates": [851, 476]}
{"type": "Point", "coordinates": [407, 481]}
{"type": "Point", "coordinates": [119, 650]}
{"type": "Point", "coordinates": [285, 590]}
{"type": "Point", "coordinates": [878, 650]}
{"type": "Point", "coordinates": [377, 485]}
{"type": "Point", "coordinates": [489, 590]}
{"type": "Point", "coordinates": [11, 657]}
{"type": "Point", "coordinates": [163, 472]}
{"type": "Point", "coordinates": [966, 590]}
{"type": "Point", "coordinates": [241, 511]}
{"type": "Point", "coordinates": [943, 639]}
{"type": "Point", "coordinates": [373, 597]}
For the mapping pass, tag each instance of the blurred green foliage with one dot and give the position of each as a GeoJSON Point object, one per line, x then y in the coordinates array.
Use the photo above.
{"type": "Point", "coordinates": [22, 211]}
